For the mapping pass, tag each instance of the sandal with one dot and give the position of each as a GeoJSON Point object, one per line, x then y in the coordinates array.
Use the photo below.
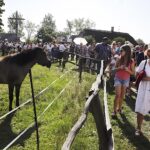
{"type": "Point", "coordinates": [114, 114]}
{"type": "Point", "coordinates": [138, 132]}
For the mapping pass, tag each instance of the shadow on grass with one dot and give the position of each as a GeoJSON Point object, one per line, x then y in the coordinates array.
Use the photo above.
{"type": "Point", "coordinates": [7, 134]}
{"type": "Point", "coordinates": [141, 142]}
{"type": "Point", "coordinates": [110, 86]}
{"type": "Point", "coordinates": [130, 101]}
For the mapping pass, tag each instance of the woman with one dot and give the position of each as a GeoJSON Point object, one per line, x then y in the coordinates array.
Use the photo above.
{"type": "Point", "coordinates": [142, 106]}
{"type": "Point", "coordinates": [124, 68]}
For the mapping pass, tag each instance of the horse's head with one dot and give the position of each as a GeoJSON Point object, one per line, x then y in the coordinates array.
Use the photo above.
{"type": "Point", "coordinates": [42, 58]}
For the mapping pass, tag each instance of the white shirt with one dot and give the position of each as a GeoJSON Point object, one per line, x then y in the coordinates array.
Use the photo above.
{"type": "Point", "coordinates": [62, 48]}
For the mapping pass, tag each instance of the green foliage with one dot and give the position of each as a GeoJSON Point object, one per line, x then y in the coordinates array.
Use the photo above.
{"type": "Point", "coordinates": [119, 39]}
{"type": "Point", "coordinates": [140, 42]}
{"type": "Point", "coordinates": [15, 23]}
{"type": "Point", "coordinates": [30, 28]}
{"type": "Point", "coordinates": [77, 25]}
{"type": "Point", "coordinates": [69, 28]}
{"type": "Point", "coordinates": [48, 29]}
{"type": "Point", "coordinates": [1, 12]}
{"type": "Point", "coordinates": [90, 39]}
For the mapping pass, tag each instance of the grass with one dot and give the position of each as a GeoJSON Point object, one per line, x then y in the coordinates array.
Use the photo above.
{"type": "Point", "coordinates": [124, 127]}
{"type": "Point", "coordinates": [56, 123]}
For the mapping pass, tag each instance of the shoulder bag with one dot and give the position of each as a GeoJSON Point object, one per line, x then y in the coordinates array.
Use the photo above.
{"type": "Point", "coordinates": [140, 76]}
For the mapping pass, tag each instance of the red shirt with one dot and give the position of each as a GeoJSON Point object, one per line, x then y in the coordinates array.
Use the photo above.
{"type": "Point", "coordinates": [122, 74]}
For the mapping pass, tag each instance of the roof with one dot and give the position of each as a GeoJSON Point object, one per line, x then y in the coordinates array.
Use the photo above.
{"type": "Point", "coordinates": [99, 34]}
{"type": "Point", "coordinates": [11, 37]}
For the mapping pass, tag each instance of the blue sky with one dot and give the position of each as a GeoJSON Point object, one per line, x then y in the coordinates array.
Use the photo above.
{"type": "Point", "coordinates": [131, 16]}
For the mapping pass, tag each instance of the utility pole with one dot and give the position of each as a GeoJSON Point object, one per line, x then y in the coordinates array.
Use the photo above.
{"type": "Point", "coordinates": [16, 18]}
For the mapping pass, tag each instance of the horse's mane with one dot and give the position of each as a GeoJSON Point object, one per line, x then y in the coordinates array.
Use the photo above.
{"type": "Point", "coordinates": [23, 57]}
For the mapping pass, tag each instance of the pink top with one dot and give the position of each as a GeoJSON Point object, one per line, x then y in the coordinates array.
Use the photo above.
{"type": "Point", "coordinates": [122, 74]}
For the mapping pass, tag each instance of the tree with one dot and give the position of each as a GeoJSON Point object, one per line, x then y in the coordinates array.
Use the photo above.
{"type": "Point", "coordinates": [140, 42]}
{"type": "Point", "coordinates": [48, 29]}
{"type": "Point", "coordinates": [15, 24]}
{"type": "Point", "coordinates": [81, 23]}
{"type": "Point", "coordinates": [119, 39]}
{"type": "Point", "coordinates": [89, 38]}
{"type": "Point", "coordinates": [1, 12]}
{"type": "Point", "coordinates": [31, 29]}
{"type": "Point", "coordinates": [77, 25]}
{"type": "Point", "coordinates": [69, 28]}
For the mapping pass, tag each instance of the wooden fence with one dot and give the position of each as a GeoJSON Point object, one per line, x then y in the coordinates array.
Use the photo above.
{"type": "Point", "coordinates": [100, 114]}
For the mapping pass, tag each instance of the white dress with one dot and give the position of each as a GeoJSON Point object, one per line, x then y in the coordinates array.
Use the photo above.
{"type": "Point", "coordinates": [143, 97]}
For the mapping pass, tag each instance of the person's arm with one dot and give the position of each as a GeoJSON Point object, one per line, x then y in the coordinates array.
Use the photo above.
{"type": "Point", "coordinates": [146, 79]}
{"type": "Point", "coordinates": [132, 70]}
{"type": "Point", "coordinates": [117, 67]}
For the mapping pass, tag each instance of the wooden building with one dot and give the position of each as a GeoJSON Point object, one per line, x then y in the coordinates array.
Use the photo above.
{"type": "Point", "coordinates": [99, 34]}
{"type": "Point", "coordinates": [10, 37]}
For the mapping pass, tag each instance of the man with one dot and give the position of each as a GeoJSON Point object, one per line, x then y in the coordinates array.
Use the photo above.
{"type": "Point", "coordinates": [140, 55]}
{"type": "Point", "coordinates": [103, 52]}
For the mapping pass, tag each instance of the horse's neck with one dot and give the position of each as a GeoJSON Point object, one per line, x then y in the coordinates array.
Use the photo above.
{"type": "Point", "coordinates": [30, 65]}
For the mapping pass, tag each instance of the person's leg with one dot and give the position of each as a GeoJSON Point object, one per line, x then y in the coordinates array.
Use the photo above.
{"type": "Point", "coordinates": [140, 118]}
{"type": "Point", "coordinates": [123, 91]}
{"type": "Point", "coordinates": [98, 67]}
{"type": "Point", "coordinates": [117, 97]}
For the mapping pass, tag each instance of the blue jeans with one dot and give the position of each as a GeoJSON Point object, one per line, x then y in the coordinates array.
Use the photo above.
{"type": "Point", "coordinates": [120, 82]}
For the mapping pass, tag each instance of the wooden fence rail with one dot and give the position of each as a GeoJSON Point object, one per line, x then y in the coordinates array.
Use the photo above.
{"type": "Point", "coordinates": [94, 105]}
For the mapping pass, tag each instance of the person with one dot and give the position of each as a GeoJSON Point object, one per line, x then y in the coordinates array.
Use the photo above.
{"type": "Point", "coordinates": [82, 56]}
{"type": "Point", "coordinates": [142, 106]}
{"type": "Point", "coordinates": [113, 47]}
{"type": "Point", "coordinates": [123, 69]}
{"type": "Point", "coordinates": [103, 52]}
{"type": "Point", "coordinates": [140, 55]}
{"type": "Point", "coordinates": [118, 48]}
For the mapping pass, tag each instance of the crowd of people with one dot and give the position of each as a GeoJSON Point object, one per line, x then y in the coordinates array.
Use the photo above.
{"type": "Point", "coordinates": [124, 60]}
{"type": "Point", "coordinates": [127, 63]}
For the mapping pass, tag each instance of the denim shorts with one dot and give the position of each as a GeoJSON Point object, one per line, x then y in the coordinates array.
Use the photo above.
{"type": "Point", "coordinates": [120, 82]}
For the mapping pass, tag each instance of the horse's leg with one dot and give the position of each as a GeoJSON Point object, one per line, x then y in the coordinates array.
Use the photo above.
{"type": "Point", "coordinates": [11, 89]}
{"type": "Point", "coordinates": [17, 88]}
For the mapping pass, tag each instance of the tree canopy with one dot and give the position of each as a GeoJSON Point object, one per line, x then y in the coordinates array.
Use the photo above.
{"type": "Point", "coordinates": [30, 29]}
{"type": "Point", "coordinates": [77, 25]}
{"type": "Point", "coordinates": [1, 12]}
{"type": "Point", "coordinates": [15, 23]}
{"type": "Point", "coordinates": [48, 28]}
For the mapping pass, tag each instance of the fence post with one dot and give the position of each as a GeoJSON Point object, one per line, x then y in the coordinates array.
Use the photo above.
{"type": "Point", "coordinates": [80, 68]}
{"type": "Point", "coordinates": [97, 112]}
{"type": "Point", "coordinates": [34, 109]}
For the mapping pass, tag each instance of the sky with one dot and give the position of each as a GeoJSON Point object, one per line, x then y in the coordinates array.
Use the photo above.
{"type": "Point", "coordinates": [130, 16]}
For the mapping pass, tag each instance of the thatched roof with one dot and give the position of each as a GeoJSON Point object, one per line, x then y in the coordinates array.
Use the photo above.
{"type": "Point", "coordinates": [99, 34]}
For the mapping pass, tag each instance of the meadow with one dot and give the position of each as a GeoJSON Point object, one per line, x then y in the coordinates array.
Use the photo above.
{"type": "Point", "coordinates": [66, 98]}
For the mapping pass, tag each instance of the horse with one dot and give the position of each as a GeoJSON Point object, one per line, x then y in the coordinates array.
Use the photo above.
{"type": "Point", "coordinates": [14, 68]}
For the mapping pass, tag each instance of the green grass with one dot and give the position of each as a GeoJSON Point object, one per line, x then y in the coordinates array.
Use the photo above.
{"type": "Point", "coordinates": [56, 123]}
{"type": "Point", "coordinates": [124, 127]}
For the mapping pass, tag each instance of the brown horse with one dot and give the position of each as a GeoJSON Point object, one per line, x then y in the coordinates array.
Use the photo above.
{"type": "Point", "coordinates": [14, 68]}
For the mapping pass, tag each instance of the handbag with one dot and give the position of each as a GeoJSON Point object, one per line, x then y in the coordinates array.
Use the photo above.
{"type": "Point", "coordinates": [140, 76]}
